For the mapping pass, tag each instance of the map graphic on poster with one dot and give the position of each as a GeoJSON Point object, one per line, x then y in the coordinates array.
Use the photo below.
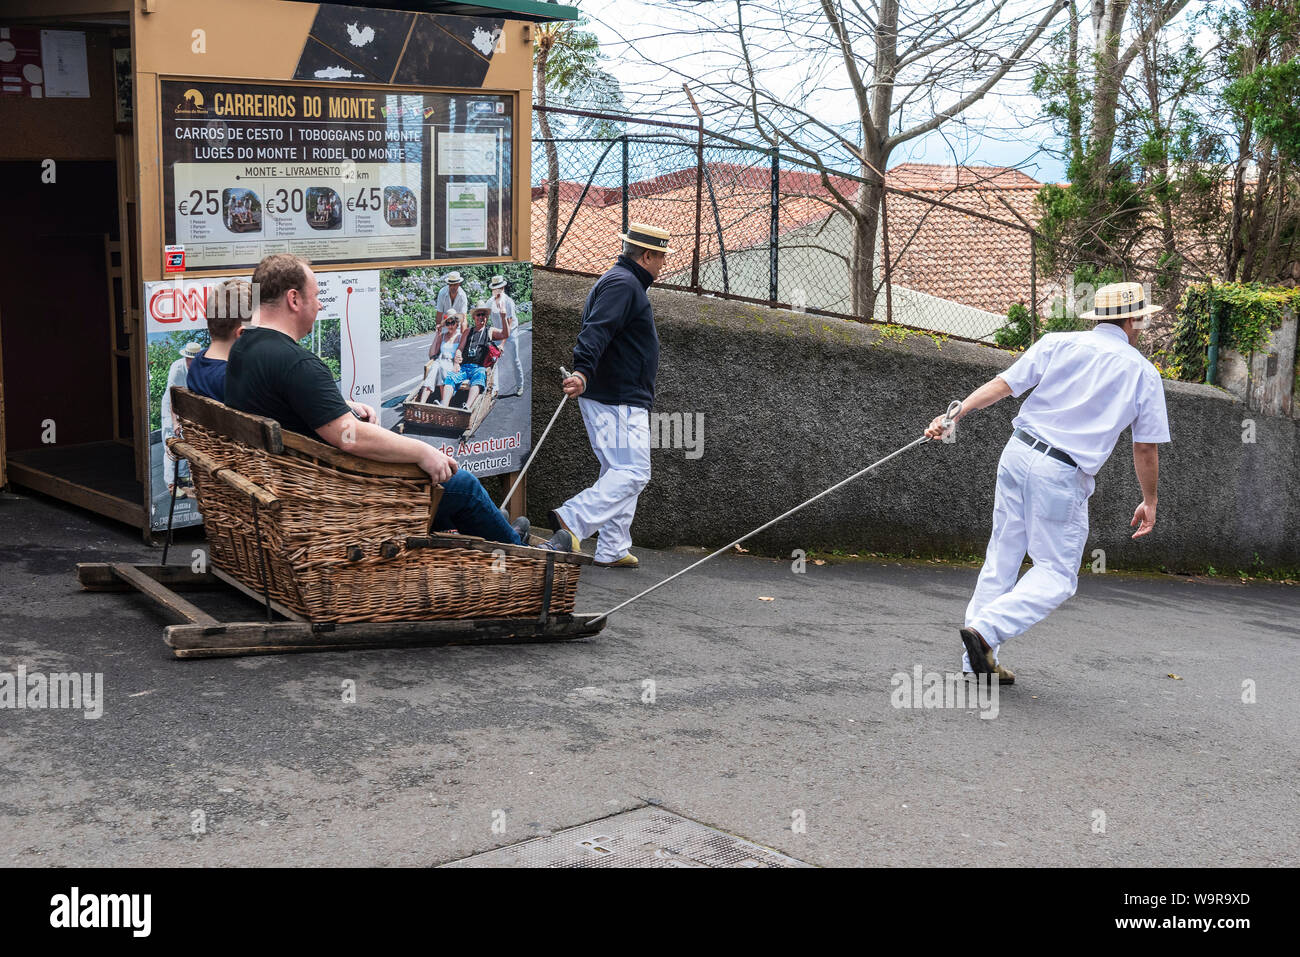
{"type": "Point", "coordinates": [345, 336]}
{"type": "Point", "coordinates": [334, 174]}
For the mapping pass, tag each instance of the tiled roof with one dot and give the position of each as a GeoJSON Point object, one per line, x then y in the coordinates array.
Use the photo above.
{"type": "Point", "coordinates": [927, 176]}
{"type": "Point", "coordinates": [943, 252]}
{"type": "Point", "coordinates": [960, 257]}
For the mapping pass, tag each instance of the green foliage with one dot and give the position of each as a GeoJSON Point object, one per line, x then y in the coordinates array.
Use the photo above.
{"type": "Point", "coordinates": [1017, 333]}
{"type": "Point", "coordinates": [572, 75]}
{"type": "Point", "coordinates": [892, 333]}
{"type": "Point", "coordinates": [408, 298]}
{"type": "Point", "coordinates": [1092, 216]}
{"type": "Point", "coordinates": [162, 352]}
{"type": "Point", "coordinates": [1246, 313]}
{"type": "Point", "coordinates": [1266, 91]}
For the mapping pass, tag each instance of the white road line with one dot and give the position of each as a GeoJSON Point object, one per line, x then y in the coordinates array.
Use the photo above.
{"type": "Point", "coordinates": [402, 387]}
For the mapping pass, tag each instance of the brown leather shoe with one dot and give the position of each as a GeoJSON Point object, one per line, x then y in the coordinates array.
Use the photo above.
{"type": "Point", "coordinates": [978, 651]}
{"type": "Point", "coordinates": [1005, 675]}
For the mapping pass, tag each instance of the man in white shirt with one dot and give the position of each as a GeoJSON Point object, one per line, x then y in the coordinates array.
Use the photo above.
{"type": "Point", "coordinates": [451, 298]}
{"type": "Point", "coordinates": [503, 312]}
{"type": "Point", "coordinates": [1088, 388]}
{"type": "Point", "coordinates": [176, 375]}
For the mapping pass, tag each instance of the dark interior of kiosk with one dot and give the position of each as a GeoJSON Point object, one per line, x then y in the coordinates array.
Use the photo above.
{"type": "Point", "coordinates": [69, 372]}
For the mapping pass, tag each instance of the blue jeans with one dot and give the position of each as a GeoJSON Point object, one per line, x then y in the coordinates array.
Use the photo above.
{"type": "Point", "coordinates": [475, 375]}
{"type": "Point", "coordinates": [465, 506]}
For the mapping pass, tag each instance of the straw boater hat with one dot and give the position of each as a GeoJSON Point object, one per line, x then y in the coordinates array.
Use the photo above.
{"type": "Point", "coordinates": [191, 350]}
{"type": "Point", "coordinates": [1120, 300]}
{"type": "Point", "coordinates": [498, 282]}
{"type": "Point", "coordinates": [482, 306]}
{"type": "Point", "coordinates": [651, 237]}
{"type": "Point", "coordinates": [452, 277]}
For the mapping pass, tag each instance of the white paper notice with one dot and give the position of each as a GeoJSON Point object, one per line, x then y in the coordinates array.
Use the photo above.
{"type": "Point", "coordinates": [467, 215]}
{"type": "Point", "coordinates": [63, 58]}
{"type": "Point", "coordinates": [467, 154]}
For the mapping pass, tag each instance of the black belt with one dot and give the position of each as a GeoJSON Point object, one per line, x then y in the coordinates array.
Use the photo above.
{"type": "Point", "coordinates": [1039, 445]}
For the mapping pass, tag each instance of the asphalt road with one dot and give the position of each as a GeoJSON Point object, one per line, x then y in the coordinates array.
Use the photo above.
{"type": "Point", "coordinates": [761, 709]}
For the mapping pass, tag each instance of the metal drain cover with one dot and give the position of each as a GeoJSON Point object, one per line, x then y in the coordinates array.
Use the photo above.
{"type": "Point", "coordinates": [646, 837]}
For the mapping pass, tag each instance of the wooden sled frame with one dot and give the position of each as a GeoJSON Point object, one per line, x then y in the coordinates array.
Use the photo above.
{"type": "Point", "coordinates": [456, 419]}
{"type": "Point", "coordinates": [200, 635]}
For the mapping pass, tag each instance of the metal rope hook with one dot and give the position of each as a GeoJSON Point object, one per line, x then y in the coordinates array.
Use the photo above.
{"type": "Point", "coordinates": [564, 374]}
{"type": "Point", "coordinates": [949, 417]}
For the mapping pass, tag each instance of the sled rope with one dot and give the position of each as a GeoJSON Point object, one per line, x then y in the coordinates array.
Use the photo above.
{"type": "Point", "coordinates": [954, 409]}
{"type": "Point", "coordinates": [537, 448]}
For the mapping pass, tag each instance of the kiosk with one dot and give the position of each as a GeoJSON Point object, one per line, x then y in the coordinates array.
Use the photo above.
{"type": "Point", "coordinates": [153, 148]}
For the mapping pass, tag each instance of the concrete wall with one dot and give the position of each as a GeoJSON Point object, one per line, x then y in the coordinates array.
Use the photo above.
{"type": "Point", "coordinates": [792, 403]}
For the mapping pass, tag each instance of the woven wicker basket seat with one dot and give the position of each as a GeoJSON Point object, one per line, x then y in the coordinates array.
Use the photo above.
{"type": "Point", "coordinates": [346, 539]}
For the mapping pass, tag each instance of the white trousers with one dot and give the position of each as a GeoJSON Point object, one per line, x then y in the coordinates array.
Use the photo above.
{"type": "Point", "coordinates": [437, 377]}
{"type": "Point", "coordinates": [510, 353]}
{"type": "Point", "coordinates": [620, 437]}
{"type": "Point", "coordinates": [1041, 508]}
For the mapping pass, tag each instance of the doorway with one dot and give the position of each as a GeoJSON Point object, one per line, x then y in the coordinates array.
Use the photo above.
{"type": "Point", "coordinates": [70, 368]}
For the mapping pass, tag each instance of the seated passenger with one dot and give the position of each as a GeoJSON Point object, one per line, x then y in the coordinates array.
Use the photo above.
{"type": "Point", "coordinates": [445, 348]}
{"type": "Point", "coordinates": [229, 307]}
{"type": "Point", "coordinates": [269, 374]}
{"type": "Point", "coordinates": [474, 350]}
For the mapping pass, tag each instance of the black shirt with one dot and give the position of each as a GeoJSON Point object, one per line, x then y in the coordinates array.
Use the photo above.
{"type": "Point", "coordinates": [474, 347]}
{"type": "Point", "coordinates": [269, 374]}
{"type": "Point", "coordinates": [618, 345]}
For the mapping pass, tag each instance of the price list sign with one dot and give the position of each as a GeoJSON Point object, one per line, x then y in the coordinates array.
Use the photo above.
{"type": "Point", "coordinates": [333, 174]}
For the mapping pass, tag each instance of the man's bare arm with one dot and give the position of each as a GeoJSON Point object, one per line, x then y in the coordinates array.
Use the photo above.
{"type": "Point", "coordinates": [1146, 463]}
{"type": "Point", "coordinates": [990, 392]}
{"type": "Point", "coordinates": [368, 441]}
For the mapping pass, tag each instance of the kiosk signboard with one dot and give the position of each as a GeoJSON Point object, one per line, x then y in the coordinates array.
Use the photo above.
{"type": "Point", "coordinates": [333, 174]}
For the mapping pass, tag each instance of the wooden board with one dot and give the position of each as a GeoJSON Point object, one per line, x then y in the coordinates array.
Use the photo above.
{"type": "Point", "coordinates": [202, 636]}
{"type": "Point", "coordinates": [129, 512]}
{"type": "Point", "coordinates": [445, 540]}
{"type": "Point", "coordinates": [164, 597]}
{"type": "Point", "coordinates": [350, 463]}
{"type": "Point", "coordinates": [255, 431]}
{"type": "Point", "coordinates": [100, 576]}
{"type": "Point", "coordinates": [291, 637]}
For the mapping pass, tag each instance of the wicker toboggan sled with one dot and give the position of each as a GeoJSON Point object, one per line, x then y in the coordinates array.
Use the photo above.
{"type": "Point", "coordinates": [341, 547]}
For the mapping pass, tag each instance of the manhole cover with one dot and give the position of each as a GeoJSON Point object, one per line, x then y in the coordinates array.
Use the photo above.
{"type": "Point", "coordinates": [646, 837]}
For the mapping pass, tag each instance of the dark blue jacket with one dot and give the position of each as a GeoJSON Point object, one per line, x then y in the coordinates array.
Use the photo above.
{"type": "Point", "coordinates": [618, 345]}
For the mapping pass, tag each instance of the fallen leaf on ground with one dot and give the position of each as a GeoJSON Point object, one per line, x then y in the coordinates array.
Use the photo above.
{"type": "Point", "coordinates": [739, 549]}
{"type": "Point", "coordinates": [765, 598]}
{"type": "Point", "coordinates": [1175, 677]}
{"type": "Point", "coordinates": [818, 561]}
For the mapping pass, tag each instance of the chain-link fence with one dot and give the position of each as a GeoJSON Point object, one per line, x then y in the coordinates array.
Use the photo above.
{"type": "Point", "coordinates": [947, 250]}
{"type": "Point", "coordinates": [945, 254]}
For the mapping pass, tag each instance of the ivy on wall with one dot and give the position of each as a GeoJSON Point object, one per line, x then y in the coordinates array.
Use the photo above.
{"type": "Point", "coordinates": [1247, 313]}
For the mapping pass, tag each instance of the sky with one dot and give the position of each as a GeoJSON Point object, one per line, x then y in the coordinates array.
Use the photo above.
{"type": "Point", "coordinates": [1003, 129]}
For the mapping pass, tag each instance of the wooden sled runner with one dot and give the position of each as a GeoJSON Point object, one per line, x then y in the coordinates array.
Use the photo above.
{"type": "Point", "coordinates": [342, 549]}
{"type": "Point", "coordinates": [456, 418]}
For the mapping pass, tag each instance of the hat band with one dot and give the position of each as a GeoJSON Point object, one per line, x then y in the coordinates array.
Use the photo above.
{"type": "Point", "coordinates": [645, 239]}
{"type": "Point", "coordinates": [1120, 310]}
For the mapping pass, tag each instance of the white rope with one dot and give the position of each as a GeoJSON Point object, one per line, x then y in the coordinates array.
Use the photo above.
{"type": "Point", "coordinates": [954, 409]}
{"type": "Point", "coordinates": [538, 446]}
